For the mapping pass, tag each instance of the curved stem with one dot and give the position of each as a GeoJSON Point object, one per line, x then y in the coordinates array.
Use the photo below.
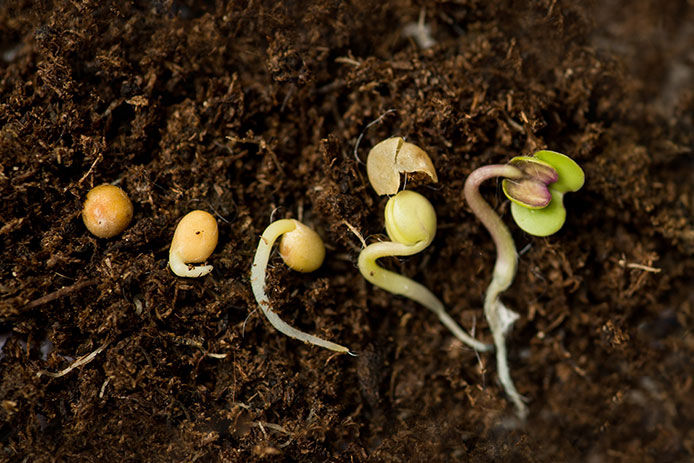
{"type": "Point", "coordinates": [498, 316]}
{"type": "Point", "coordinates": [401, 285]}
{"type": "Point", "coordinates": [182, 269]}
{"type": "Point", "coordinates": [262, 256]}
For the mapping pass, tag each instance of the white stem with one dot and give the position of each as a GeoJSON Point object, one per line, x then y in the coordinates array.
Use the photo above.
{"type": "Point", "coordinates": [182, 269]}
{"type": "Point", "coordinates": [500, 320]}
{"type": "Point", "coordinates": [262, 256]}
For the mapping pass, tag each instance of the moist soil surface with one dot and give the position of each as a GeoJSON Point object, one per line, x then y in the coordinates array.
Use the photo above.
{"type": "Point", "coordinates": [252, 112]}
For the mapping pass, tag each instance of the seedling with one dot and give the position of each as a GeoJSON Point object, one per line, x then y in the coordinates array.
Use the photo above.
{"type": "Point", "coordinates": [193, 242]}
{"type": "Point", "coordinates": [107, 211]}
{"type": "Point", "coordinates": [536, 185]}
{"type": "Point", "coordinates": [410, 222]}
{"type": "Point", "coordinates": [302, 250]}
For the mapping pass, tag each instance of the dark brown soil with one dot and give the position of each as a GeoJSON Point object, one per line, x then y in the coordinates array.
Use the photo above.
{"type": "Point", "coordinates": [252, 110]}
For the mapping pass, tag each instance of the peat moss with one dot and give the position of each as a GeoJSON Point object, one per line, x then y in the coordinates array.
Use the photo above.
{"type": "Point", "coordinates": [251, 110]}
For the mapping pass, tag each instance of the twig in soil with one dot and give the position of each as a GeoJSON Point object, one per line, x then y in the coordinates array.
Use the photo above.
{"type": "Point", "coordinates": [347, 60]}
{"type": "Point", "coordinates": [103, 387]}
{"type": "Point", "coordinates": [262, 428]}
{"type": "Point", "coordinates": [286, 97]}
{"type": "Point", "coordinates": [217, 213]}
{"type": "Point", "coordinates": [243, 327]}
{"type": "Point", "coordinates": [273, 426]}
{"type": "Point", "coordinates": [645, 268]}
{"type": "Point", "coordinates": [515, 125]}
{"type": "Point", "coordinates": [525, 249]}
{"type": "Point", "coordinates": [353, 229]}
{"type": "Point", "coordinates": [91, 168]}
{"type": "Point", "coordinates": [58, 294]}
{"type": "Point", "coordinates": [300, 210]}
{"type": "Point", "coordinates": [262, 146]}
{"type": "Point", "coordinates": [274, 157]}
{"type": "Point", "coordinates": [193, 343]}
{"type": "Point", "coordinates": [361, 135]}
{"type": "Point", "coordinates": [85, 359]}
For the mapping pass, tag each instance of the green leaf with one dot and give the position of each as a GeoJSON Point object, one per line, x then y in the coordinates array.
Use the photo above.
{"type": "Point", "coordinates": [548, 220]}
{"type": "Point", "coordinates": [571, 176]}
{"type": "Point", "coordinates": [541, 222]}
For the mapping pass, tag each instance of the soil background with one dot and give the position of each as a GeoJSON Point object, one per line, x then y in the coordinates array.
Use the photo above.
{"type": "Point", "coordinates": [251, 111]}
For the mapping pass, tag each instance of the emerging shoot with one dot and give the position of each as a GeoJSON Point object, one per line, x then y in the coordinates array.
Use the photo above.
{"type": "Point", "coordinates": [193, 242]}
{"type": "Point", "coordinates": [536, 186]}
{"type": "Point", "coordinates": [302, 250]}
{"type": "Point", "coordinates": [547, 220]}
{"type": "Point", "coordinates": [411, 225]}
{"type": "Point", "coordinates": [107, 211]}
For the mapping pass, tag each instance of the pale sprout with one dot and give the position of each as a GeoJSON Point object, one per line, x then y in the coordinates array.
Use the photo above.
{"type": "Point", "coordinates": [411, 225]}
{"type": "Point", "coordinates": [193, 242]}
{"type": "Point", "coordinates": [302, 249]}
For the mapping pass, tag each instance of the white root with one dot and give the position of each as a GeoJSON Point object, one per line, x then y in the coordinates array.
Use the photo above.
{"type": "Point", "coordinates": [183, 269]}
{"type": "Point", "coordinates": [500, 320]}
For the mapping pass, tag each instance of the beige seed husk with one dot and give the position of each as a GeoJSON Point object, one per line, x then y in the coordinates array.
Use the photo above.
{"type": "Point", "coordinates": [393, 156]}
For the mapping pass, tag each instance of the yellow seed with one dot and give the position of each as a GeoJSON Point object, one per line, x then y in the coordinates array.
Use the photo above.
{"type": "Point", "coordinates": [410, 218]}
{"type": "Point", "coordinates": [194, 241]}
{"type": "Point", "coordinates": [302, 249]}
{"type": "Point", "coordinates": [107, 211]}
{"type": "Point", "coordinates": [195, 237]}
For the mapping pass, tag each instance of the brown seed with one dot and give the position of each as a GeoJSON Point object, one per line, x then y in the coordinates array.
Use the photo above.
{"type": "Point", "coordinates": [107, 211]}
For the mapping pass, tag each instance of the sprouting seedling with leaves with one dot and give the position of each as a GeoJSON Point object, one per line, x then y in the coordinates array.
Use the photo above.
{"type": "Point", "coordinates": [410, 222]}
{"type": "Point", "coordinates": [536, 186]}
{"type": "Point", "coordinates": [302, 249]}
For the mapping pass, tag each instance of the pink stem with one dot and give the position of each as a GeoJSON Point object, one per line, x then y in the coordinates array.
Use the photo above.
{"type": "Point", "coordinates": [498, 316]}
